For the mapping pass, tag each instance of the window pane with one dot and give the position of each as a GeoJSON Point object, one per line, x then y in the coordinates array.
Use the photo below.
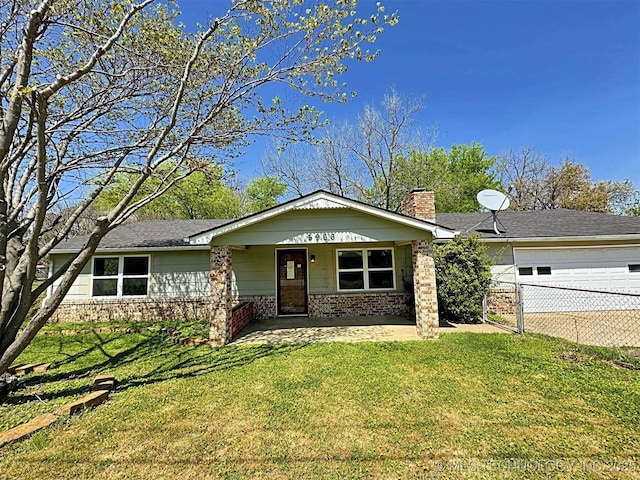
{"type": "Point", "coordinates": [634, 268]}
{"type": "Point", "coordinates": [134, 286]}
{"type": "Point", "coordinates": [103, 267]}
{"type": "Point", "coordinates": [105, 287]}
{"type": "Point", "coordinates": [544, 270]}
{"type": "Point", "coordinates": [525, 270]}
{"type": "Point", "coordinates": [349, 259]}
{"type": "Point", "coordinates": [379, 259]}
{"type": "Point", "coordinates": [381, 279]}
{"type": "Point", "coordinates": [136, 265]}
{"type": "Point", "coordinates": [351, 281]}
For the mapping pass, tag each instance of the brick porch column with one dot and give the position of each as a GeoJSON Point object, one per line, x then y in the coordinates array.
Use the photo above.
{"type": "Point", "coordinates": [424, 289]}
{"type": "Point", "coordinates": [221, 279]}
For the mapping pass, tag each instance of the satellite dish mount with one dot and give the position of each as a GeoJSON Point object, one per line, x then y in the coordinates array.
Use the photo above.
{"type": "Point", "coordinates": [495, 201]}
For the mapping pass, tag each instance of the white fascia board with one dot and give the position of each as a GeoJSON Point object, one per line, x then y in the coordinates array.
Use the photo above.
{"type": "Point", "coordinates": [320, 200]}
{"type": "Point", "coordinates": [582, 247]}
{"type": "Point", "coordinates": [590, 238]}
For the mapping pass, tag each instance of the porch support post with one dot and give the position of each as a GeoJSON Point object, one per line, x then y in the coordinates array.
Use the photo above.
{"type": "Point", "coordinates": [424, 289]}
{"type": "Point", "coordinates": [221, 280]}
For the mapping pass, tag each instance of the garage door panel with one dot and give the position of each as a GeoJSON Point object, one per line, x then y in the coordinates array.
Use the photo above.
{"type": "Point", "coordinates": [604, 269]}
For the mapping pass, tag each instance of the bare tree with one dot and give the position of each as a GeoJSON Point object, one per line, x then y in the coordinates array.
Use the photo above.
{"type": "Point", "coordinates": [534, 184]}
{"type": "Point", "coordinates": [90, 89]}
{"type": "Point", "coordinates": [355, 160]}
{"type": "Point", "coordinates": [384, 136]}
{"type": "Point", "coordinates": [523, 174]}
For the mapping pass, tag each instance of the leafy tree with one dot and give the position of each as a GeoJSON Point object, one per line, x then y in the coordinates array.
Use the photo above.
{"type": "Point", "coordinates": [202, 194]}
{"type": "Point", "coordinates": [463, 276]}
{"type": "Point", "coordinates": [263, 193]}
{"type": "Point", "coordinates": [91, 89]}
{"type": "Point", "coordinates": [534, 184]}
{"type": "Point", "coordinates": [455, 176]}
{"type": "Point", "coordinates": [634, 209]}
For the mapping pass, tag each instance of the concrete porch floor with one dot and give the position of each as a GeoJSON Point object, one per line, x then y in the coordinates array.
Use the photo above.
{"type": "Point", "coordinates": [342, 329]}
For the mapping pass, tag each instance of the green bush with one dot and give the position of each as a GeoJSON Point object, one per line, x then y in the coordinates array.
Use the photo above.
{"type": "Point", "coordinates": [463, 273]}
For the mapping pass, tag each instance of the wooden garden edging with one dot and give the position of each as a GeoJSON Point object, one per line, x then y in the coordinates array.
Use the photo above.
{"type": "Point", "coordinates": [102, 386]}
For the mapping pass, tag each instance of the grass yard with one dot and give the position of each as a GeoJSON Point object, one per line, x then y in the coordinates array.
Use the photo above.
{"type": "Point", "coordinates": [465, 406]}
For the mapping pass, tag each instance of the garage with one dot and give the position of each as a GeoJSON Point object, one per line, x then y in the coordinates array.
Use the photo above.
{"type": "Point", "coordinates": [594, 268]}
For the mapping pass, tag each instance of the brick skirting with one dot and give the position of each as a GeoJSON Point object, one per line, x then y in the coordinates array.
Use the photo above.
{"type": "Point", "coordinates": [502, 301]}
{"type": "Point", "coordinates": [144, 309]}
{"type": "Point", "coordinates": [241, 316]}
{"type": "Point", "coordinates": [246, 309]}
{"type": "Point", "coordinates": [264, 306]}
{"type": "Point", "coordinates": [340, 304]}
{"type": "Point", "coordinates": [360, 304]}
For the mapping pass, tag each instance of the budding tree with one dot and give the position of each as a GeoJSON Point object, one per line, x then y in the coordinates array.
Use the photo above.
{"type": "Point", "coordinates": [92, 89]}
{"type": "Point", "coordinates": [535, 184]}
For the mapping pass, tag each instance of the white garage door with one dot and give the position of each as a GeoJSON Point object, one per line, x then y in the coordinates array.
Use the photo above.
{"type": "Point", "coordinates": [604, 269]}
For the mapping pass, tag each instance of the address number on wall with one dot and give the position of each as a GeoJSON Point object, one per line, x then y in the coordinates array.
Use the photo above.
{"type": "Point", "coordinates": [320, 237]}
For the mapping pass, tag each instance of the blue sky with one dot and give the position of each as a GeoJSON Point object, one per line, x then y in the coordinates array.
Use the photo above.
{"type": "Point", "coordinates": [563, 76]}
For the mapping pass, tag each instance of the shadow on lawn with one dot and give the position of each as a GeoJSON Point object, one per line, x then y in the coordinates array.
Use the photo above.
{"type": "Point", "coordinates": [151, 359]}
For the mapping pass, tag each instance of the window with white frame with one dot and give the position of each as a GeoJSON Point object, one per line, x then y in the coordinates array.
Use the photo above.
{"type": "Point", "coordinates": [366, 269]}
{"type": "Point", "coordinates": [120, 276]}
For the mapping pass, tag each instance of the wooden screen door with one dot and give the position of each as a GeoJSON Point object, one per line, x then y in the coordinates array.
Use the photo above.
{"type": "Point", "coordinates": [292, 282]}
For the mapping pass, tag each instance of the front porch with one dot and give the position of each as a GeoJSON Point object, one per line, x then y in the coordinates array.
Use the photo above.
{"type": "Point", "coordinates": [386, 328]}
{"type": "Point", "coordinates": [324, 256]}
{"type": "Point", "coordinates": [327, 329]}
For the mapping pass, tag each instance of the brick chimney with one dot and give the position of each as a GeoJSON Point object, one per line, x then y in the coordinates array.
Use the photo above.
{"type": "Point", "coordinates": [419, 204]}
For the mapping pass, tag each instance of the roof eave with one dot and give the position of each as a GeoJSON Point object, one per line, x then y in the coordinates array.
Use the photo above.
{"type": "Point", "coordinates": [133, 249]}
{"type": "Point", "coordinates": [572, 238]}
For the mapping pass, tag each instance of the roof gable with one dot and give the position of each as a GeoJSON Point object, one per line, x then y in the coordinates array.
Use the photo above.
{"type": "Point", "coordinates": [319, 200]}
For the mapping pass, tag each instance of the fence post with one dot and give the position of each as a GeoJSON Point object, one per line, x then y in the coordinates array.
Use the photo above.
{"type": "Point", "coordinates": [519, 309]}
{"type": "Point", "coordinates": [485, 308]}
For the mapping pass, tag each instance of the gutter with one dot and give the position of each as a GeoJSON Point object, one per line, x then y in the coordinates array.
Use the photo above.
{"type": "Point", "coordinates": [585, 238]}
{"type": "Point", "coordinates": [135, 249]}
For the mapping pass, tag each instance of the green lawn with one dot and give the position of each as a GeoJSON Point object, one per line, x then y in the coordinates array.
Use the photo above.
{"type": "Point", "coordinates": [465, 406]}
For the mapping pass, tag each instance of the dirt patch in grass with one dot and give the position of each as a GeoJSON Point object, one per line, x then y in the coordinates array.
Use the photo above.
{"type": "Point", "coordinates": [616, 358]}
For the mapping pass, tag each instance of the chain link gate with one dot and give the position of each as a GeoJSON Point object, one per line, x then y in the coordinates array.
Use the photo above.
{"type": "Point", "coordinates": [592, 317]}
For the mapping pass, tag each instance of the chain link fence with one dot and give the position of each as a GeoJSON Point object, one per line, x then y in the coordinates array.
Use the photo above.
{"type": "Point", "coordinates": [592, 317]}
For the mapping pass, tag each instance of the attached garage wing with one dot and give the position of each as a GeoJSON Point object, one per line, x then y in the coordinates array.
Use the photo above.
{"type": "Point", "coordinates": [595, 269]}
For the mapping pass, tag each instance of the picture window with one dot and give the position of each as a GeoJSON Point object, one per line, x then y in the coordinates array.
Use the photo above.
{"type": "Point", "coordinates": [120, 277]}
{"type": "Point", "coordinates": [366, 269]}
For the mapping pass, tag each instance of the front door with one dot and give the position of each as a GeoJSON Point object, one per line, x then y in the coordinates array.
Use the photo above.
{"type": "Point", "coordinates": [292, 282]}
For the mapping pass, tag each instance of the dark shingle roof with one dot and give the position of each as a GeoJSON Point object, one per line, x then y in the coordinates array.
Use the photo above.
{"type": "Point", "coordinates": [541, 223]}
{"type": "Point", "coordinates": [528, 224]}
{"type": "Point", "coordinates": [148, 234]}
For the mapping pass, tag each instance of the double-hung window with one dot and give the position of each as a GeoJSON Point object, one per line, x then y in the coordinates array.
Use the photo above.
{"type": "Point", "coordinates": [366, 269]}
{"type": "Point", "coordinates": [120, 276]}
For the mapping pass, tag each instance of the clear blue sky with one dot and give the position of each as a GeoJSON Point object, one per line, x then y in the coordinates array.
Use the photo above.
{"type": "Point", "coordinates": [563, 76]}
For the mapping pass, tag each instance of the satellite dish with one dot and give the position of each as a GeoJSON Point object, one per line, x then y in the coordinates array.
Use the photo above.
{"type": "Point", "coordinates": [495, 201]}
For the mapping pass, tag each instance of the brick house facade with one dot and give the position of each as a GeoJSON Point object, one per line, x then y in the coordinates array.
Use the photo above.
{"type": "Point", "coordinates": [321, 255]}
